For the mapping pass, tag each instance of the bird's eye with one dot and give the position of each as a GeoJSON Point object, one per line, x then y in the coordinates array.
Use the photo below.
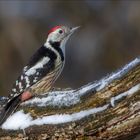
{"type": "Point", "coordinates": [60, 31]}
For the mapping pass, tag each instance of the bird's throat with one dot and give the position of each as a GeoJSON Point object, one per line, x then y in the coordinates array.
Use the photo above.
{"type": "Point", "coordinates": [57, 47]}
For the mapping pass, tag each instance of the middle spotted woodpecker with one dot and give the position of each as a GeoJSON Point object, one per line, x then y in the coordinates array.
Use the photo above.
{"type": "Point", "coordinates": [40, 73]}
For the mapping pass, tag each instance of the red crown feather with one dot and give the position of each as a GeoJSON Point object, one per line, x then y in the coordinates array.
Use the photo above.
{"type": "Point", "coordinates": [54, 28]}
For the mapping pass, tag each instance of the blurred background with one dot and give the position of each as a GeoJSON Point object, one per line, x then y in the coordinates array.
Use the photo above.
{"type": "Point", "coordinates": [109, 37]}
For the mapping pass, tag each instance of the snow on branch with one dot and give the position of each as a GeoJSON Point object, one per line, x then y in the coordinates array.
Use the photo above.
{"type": "Point", "coordinates": [106, 109]}
{"type": "Point", "coordinates": [72, 97]}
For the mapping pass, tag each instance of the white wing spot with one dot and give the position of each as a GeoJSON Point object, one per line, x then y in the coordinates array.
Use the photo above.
{"type": "Point", "coordinates": [21, 77]}
{"type": "Point", "coordinates": [34, 80]}
{"type": "Point", "coordinates": [16, 82]}
{"type": "Point", "coordinates": [11, 94]}
{"type": "Point", "coordinates": [39, 65]}
{"type": "Point", "coordinates": [21, 90]}
{"type": "Point", "coordinates": [20, 85]}
{"type": "Point", "coordinates": [27, 79]}
{"type": "Point", "coordinates": [15, 94]}
{"type": "Point", "coordinates": [9, 100]}
{"type": "Point", "coordinates": [14, 90]}
{"type": "Point", "coordinates": [28, 85]}
{"type": "Point", "coordinates": [25, 68]}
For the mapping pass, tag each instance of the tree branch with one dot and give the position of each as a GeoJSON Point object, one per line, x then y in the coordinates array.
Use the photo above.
{"type": "Point", "coordinates": [107, 109]}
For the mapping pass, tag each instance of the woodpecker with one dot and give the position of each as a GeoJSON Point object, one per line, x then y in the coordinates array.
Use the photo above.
{"type": "Point", "coordinates": [41, 72]}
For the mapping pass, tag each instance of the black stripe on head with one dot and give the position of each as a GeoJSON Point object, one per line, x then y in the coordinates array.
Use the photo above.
{"type": "Point", "coordinates": [56, 46]}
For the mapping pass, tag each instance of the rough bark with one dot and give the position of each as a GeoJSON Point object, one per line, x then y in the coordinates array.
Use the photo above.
{"type": "Point", "coordinates": [118, 93]}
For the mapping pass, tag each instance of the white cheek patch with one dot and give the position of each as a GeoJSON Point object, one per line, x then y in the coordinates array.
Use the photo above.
{"type": "Point", "coordinates": [55, 36]}
{"type": "Point", "coordinates": [39, 65]}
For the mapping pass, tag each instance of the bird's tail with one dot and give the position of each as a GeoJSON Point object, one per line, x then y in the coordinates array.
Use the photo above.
{"type": "Point", "coordinates": [9, 108]}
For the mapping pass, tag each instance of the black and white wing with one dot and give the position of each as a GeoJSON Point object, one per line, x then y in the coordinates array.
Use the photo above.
{"type": "Point", "coordinates": [41, 63]}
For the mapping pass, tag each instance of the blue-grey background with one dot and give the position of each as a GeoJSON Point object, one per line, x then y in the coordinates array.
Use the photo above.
{"type": "Point", "coordinates": [109, 37]}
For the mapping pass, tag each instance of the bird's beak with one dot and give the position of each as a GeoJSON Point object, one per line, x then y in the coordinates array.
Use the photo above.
{"type": "Point", "coordinates": [74, 29]}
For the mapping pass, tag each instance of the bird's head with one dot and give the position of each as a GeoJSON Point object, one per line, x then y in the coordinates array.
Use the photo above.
{"type": "Point", "coordinates": [60, 34]}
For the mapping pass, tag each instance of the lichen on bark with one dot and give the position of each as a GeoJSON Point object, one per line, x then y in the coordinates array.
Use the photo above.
{"type": "Point", "coordinates": [119, 93]}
